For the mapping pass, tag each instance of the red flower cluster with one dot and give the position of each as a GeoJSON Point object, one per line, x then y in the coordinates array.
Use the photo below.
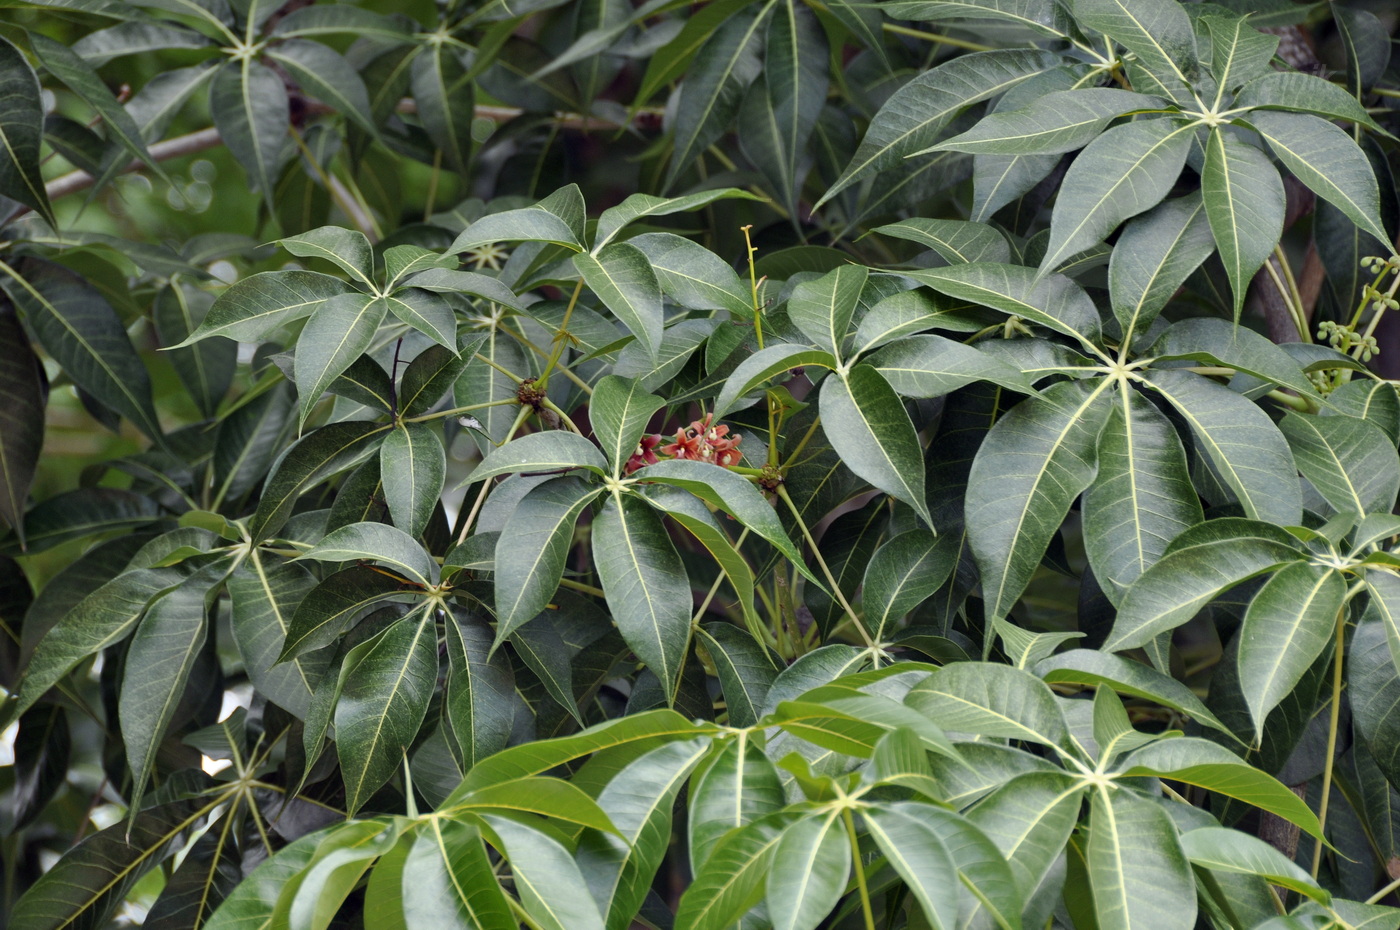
{"type": "Point", "coordinates": [701, 441]}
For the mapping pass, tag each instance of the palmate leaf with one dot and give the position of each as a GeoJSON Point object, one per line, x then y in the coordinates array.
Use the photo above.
{"type": "Point", "coordinates": [80, 330]}
{"type": "Point", "coordinates": [445, 880]}
{"type": "Point", "coordinates": [765, 364]}
{"type": "Point", "coordinates": [905, 571]}
{"type": "Point", "coordinates": [990, 700]}
{"type": "Point", "coordinates": [958, 241]}
{"type": "Point", "coordinates": [808, 872]}
{"type": "Point", "coordinates": [620, 410]}
{"type": "Point", "coordinates": [255, 306]}
{"type": "Point", "coordinates": [639, 801]}
{"type": "Point", "coordinates": [251, 109]}
{"type": "Point", "coordinates": [788, 97]}
{"type": "Point", "coordinates": [1033, 463]}
{"type": "Point", "coordinates": [1123, 172]}
{"type": "Point", "coordinates": [85, 887]}
{"type": "Point", "coordinates": [1155, 255]}
{"type": "Point", "coordinates": [1137, 870]}
{"type": "Point", "coordinates": [533, 549]}
{"type": "Point", "coordinates": [1141, 498]}
{"type": "Point", "coordinates": [314, 458]}
{"type": "Point", "coordinates": [1285, 90]}
{"type": "Point", "coordinates": [867, 425]}
{"type": "Point", "coordinates": [24, 392]}
{"type": "Point", "coordinates": [907, 837]}
{"type": "Point", "coordinates": [690, 274]}
{"type": "Point", "coordinates": [479, 701]}
{"type": "Point", "coordinates": [21, 133]}
{"type": "Point", "coordinates": [413, 454]}
{"type": "Point", "coordinates": [823, 308]}
{"type": "Point", "coordinates": [1157, 31]}
{"type": "Point", "coordinates": [385, 544]}
{"type": "Point", "coordinates": [1239, 52]}
{"type": "Point", "coordinates": [212, 868]}
{"type": "Point", "coordinates": [732, 880]}
{"type": "Point", "coordinates": [551, 887]}
{"type": "Point", "coordinates": [338, 332]}
{"type": "Point", "coordinates": [931, 366]}
{"type": "Point", "coordinates": [446, 97]}
{"type": "Point", "coordinates": [1202, 562]}
{"type": "Point", "coordinates": [1352, 463]}
{"type": "Point", "coordinates": [382, 703]}
{"type": "Point", "coordinates": [912, 118]}
{"type": "Point", "coordinates": [621, 275]}
{"type": "Point", "coordinates": [1054, 301]}
{"type": "Point", "coordinates": [692, 513]}
{"type": "Point", "coordinates": [645, 584]}
{"type": "Point", "coordinates": [1244, 201]}
{"type": "Point", "coordinates": [739, 786]}
{"type": "Point", "coordinates": [1060, 121]}
{"type": "Point", "coordinates": [206, 369]}
{"type": "Point", "coordinates": [263, 599]}
{"type": "Point", "coordinates": [1091, 667]}
{"type": "Point", "coordinates": [557, 218]}
{"type": "Point", "coordinates": [714, 85]}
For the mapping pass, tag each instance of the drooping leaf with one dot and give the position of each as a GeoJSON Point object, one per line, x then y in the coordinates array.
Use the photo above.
{"type": "Point", "coordinates": [413, 454]}
{"type": "Point", "coordinates": [1034, 462]}
{"type": "Point", "coordinates": [1244, 201]}
{"type": "Point", "coordinates": [645, 583]}
{"type": "Point", "coordinates": [866, 423]}
{"type": "Point", "coordinates": [479, 698]}
{"type": "Point", "coordinates": [24, 392]}
{"type": "Point", "coordinates": [251, 109]}
{"type": "Point", "coordinates": [1234, 851]}
{"type": "Point", "coordinates": [1352, 463]}
{"type": "Point", "coordinates": [382, 703]}
{"type": "Point", "coordinates": [1141, 498]}
{"type": "Point", "coordinates": [808, 872]}
{"type": "Point", "coordinates": [1156, 253]}
{"type": "Point", "coordinates": [445, 93]}
{"type": "Point", "coordinates": [1122, 173]}
{"type": "Point", "coordinates": [21, 132]}
{"type": "Point", "coordinates": [1137, 870]}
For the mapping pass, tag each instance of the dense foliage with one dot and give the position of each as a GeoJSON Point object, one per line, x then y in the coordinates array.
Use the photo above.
{"type": "Point", "coordinates": [781, 464]}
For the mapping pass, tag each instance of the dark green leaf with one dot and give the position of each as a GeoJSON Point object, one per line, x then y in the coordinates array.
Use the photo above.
{"type": "Point", "coordinates": [1244, 202]}
{"type": "Point", "coordinates": [318, 455]}
{"type": "Point", "coordinates": [1352, 463]}
{"type": "Point", "coordinates": [24, 392]}
{"type": "Point", "coordinates": [413, 455]}
{"type": "Point", "coordinates": [534, 548]}
{"type": "Point", "coordinates": [21, 132]}
{"type": "Point", "coordinates": [251, 110]}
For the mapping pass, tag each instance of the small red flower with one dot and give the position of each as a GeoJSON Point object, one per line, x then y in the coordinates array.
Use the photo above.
{"type": "Point", "coordinates": [703, 442]}
{"type": "Point", "coordinates": [645, 454]}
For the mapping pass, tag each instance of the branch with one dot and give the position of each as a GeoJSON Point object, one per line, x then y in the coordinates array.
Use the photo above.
{"type": "Point", "coordinates": [74, 181]}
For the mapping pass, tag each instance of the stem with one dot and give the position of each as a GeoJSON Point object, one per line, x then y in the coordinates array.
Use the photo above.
{"type": "Point", "coordinates": [811, 431]}
{"type": "Point", "coordinates": [543, 381]}
{"type": "Point", "coordinates": [859, 868]}
{"type": "Point", "coordinates": [1291, 298]}
{"type": "Point", "coordinates": [580, 587]}
{"type": "Point", "coordinates": [486, 485]}
{"type": "Point", "coordinates": [935, 37]}
{"type": "Point", "coordinates": [826, 571]}
{"type": "Point", "coordinates": [519, 910]}
{"type": "Point", "coordinates": [1332, 725]}
{"type": "Point", "coordinates": [353, 210]}
{"type": "Point", "coordinates": [1379, 895]}
{"type": "Point", "coordinates": [554, 408]}
{"type": "Point", "coordinates": [753, 287]}
{"type": "Point", "coordinates": [509, 374]}
{"type": "Point", "coordinates": [433, 186]}
{"type": "Point", "coordinates": [1288, 400]}
{"type": "Point", "coordinates": [458, 410]}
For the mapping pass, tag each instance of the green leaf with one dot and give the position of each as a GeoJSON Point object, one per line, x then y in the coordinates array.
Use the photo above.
{"type": "Point", "coordinates": [985, 875]}
{"type": "Point", "coordinates": [1367, 48]}
{"type": "Point", "coordinates": [1029, 818]}
{"type": "Point", "coordinates": [1374, 688]}
{"type": "Point", "coordinates": [205, 370]}
{"type": "Point", "coordinates": [788, 97]}
{"type": "Point", "coordinates": [87, 886]}
{"type": "Point", "coordinates": [1157, 31]}
{"type": "Point", "coordinates": [338, 332]}
{"type": "Point", "coordinates": [99, 620]}
{"type": "Point", "coordinates": [1213, 341]}
{"type": "Point", "coordinates": [958, 241]}
{"type": "Point", "coordinates": [1243, 444]}
{"type": "Point", "coordinates": [1238, 51]}
{"type": "Point", "coordinates": [446, 97]}
{"type": "Point", "coordinates": [1384, 587]}
{"type": "Point", "coordinates": [1286, 627]}
{"type": "Point", "coordinates": [1291, 90]}
{"type": "Point", "coordinates": [263, 600]}
{"type": "Point", "coordinates": [1373, 401]}
{"type": "Point", "coordinates": [987, 699]}
{"type": "Point", "coordinates": [905, 572]}
{"type": "Point", "coordinates": [690, 274]}
{"type": "Point", "coordinates": [544, 797]}
{"type": "Point", "coordinates": [447, 881]}
{"type": "Point", "coordinates": [645, 583]}
{"type": "Point", "coordinates": [1140, 499]}
{"type": "Point", "coordinates": [24, 392]}
{"type": "Point", "coordinates": [382, 703]}
{"type": "Point", "coordinates": [547, 878]}
{"type": "Point", "coordinates": [1039, 16]}
{"type": "Point", "coordinates": [823, 308]}
{"type": "Point", "coordinates": [640, 206]}
{"type": "Point", "coordinates": [1206, 560]}
{"type": "Point", "coordinates": [745, 673]}
{"type": "Point", "coordinates": [730, 492]}
{"type": "Point", "coordinates": [732, 880]}
{"type": "Point", "coordinates": [913, 846]}
{"type": "Point", "coordinates": [914, 115]}
{"type": "Point", "coordinates": [1092, 668]}
{"type": "Point", "coordinates": [1244, 202]}
{"type": "Point", "coordinates": [533, 549]}
{"type": "Point", "coordinates": [1224, 850]}
{"type": "Point", "coordinates": [1060, 121]}
{"type": "Point", "coordinates": [347, 249]}
{"type": "Point", "coordinates": [931, 366]}
{"type": "Point", "coordinates": [547, 451]}
{"type": "Point", "coordinates": [913, 311]}
{"type": "Point", "coordinates": [450, 281]}
{"type": "Point", "coordinates": [1157, 253]}
{"type": "Point", "coordinates": [1034, 462]}
{"type": "Point", "coordinates": [1352, 463]}
{"type": "Point", "coordinates": [639, 800]}
{"type": "Point", "coordinates": [1214, 768]}
{"type": "Point", "coordinates": [1325, 159]}
{"type": "Point", "coordinates": [1137, 871]}
{"type": "Point", "coordinates": [378, 541]}
{"type": "Point", "coordinates": [557, 218]}
{"type": "Point", "coordinates": [66, 65]}
{"type": "Point", "coordinates": [738, 787]}
{"type": "Point", "coordinates": [211, 868]}
{"type": "Point", "coordinates": [621, 276]}
{"type": "Point", "coordinates": [1123, 172]}
{"type": "Point", "coordinates": [427, 378]}
{"type": "Point", "coordinates": [21, 133]}
{"type": "Point", "coordinates": [619, 411]}
{"type": "Point", "coordinates": [809, 869]}
{"type": "Point", "coordinates": [479, 699]}
{"type": "Point", "coordinates": [318, 455]}
{"type": "Point", "coordinates": [763, 365]}
{"type": "Point", "coordinates": [1054, 301]}
{"type": "Point", "coordinates": [255, 306]}
{"type": "Point", "coordinates": [413, 454]}
{"type": "Point", "coordinates": [714, 85]}
{"type": "Point", "coordinates": [341, 859]}
{"type": "Point", "coordinates": [866, 423]}
{"type": "Point", "coordinates": [252, 111]}
{"type": "Point", "coordinates": [339, 20]}
{"type": "Point", "coordinates": [76, 326]}
{"type": "Point", "coordinates": [328, 610]}
{"type": "Point", "coordinates": [158, 665]}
